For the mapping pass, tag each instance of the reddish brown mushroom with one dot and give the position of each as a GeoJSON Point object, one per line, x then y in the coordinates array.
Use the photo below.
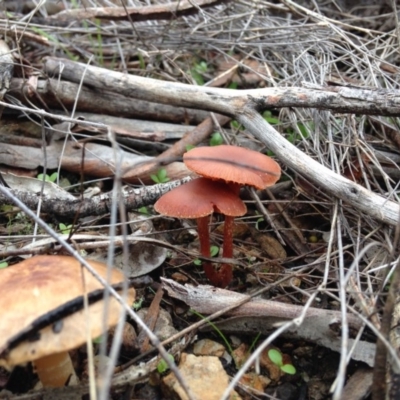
{"type": "Point", "coordinates": [237, 166]}
{"type": "Point", "coordinates": [198, 199]}
{"type": "Point", "coordinates": [233, 164]}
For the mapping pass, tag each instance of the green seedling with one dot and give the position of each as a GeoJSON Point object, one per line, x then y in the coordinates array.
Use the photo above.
{"type": "Point", "coordinates": [216, 139]}
{"type": "Point", "coordinates": [66, 229]}
{"type": "Point", "coordinates": [276, 357]}
{"type": "Point", "coordinates": [162, 365]}
{"type": "Point", "coordinates": [214, 250]}
{"type": "Point", "coordinates": [160, 177]}
{"type": "Point", "coordinates": [189, 147]}
{"type": "Point", "coordinates": [267, 115]}
{"type": "Point", "coordinates": [3, 264]}
{"type": "Point", "coordinates": [142, 63]}
{"type": "Point", "coordinates": [48, 178]}
{"type": "Point", "coordinates": [144, 210]}
{"type": "Point", "coordinates": [295, 136]}
{"type": "Point", "coordinates": [137, 305]}
{"type": "Point", "coordinates": [198, 71]}
{"type": "Point", "coordinates": [259, 221]}
{"type": "Point", "coordinates": [236, 126]}
{"type": "Point", "coordinates": [98, 340]}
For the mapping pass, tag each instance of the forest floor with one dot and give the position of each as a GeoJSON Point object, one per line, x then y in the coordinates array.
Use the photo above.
{"type": "Point", "coordinates": [100, 101]}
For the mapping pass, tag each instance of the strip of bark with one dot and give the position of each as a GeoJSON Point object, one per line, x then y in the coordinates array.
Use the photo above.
{"type": "Point", "coordinates": [245, 106]}
{"type": "Point", "coordinates": [146, 13]}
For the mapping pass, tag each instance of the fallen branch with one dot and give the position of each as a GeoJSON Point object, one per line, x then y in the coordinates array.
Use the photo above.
{"type": "Point", "coordinates": [63, 95]}
{"type": "Point", "coordinates": [132, 198]}
{"type": "Point", "coordinates": [245, 105]}
{"type": "Point", "coordinates": [257, 315]}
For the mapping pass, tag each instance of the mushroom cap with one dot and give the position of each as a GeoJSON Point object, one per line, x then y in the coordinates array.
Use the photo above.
{"type": "Point", "coordinates": [38, 285]}
{"type": "Point", "coordinates": [199, 198]}
{"type": "Point", "coordinates": [233, 164]}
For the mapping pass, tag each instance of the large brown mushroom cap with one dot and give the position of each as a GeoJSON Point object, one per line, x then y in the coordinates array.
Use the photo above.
{"type": "Point", "coordinates": [199, 198]}
{"type": "Point", "coordinates": [233, 164]}
{"type": "Point", "coordinates": [33, 287]}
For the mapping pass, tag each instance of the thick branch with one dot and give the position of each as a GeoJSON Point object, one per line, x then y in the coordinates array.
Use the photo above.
{"type": "Point", "coordinates": [64, 94]}
{"type": "Point", "coordinates": [263, 315]}
{"type": "Point", "coordinates": [133, 198]}
{"type": "Point", "coordinates": [244, 106]}
{"type": "Point", "coordinates": [227, 101]}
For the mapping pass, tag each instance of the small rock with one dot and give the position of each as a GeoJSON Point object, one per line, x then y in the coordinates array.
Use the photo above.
{"type": "Point", "coordinates": [207, 347]}
{"type": "Point", "coordinates": [177, 276]}
{"type": "Point", "coordinates": [128, 340]}
{"type": "Point", "coordinates": [255, 381]}
{"type": "Point", "coordinates": [287, 391]}
{"type": "Point", "coordinates": [164, 326]}
{"type": "Point", "coordinates": [203, 375]}
{"type": "Point", "coordinates": [240, 355]}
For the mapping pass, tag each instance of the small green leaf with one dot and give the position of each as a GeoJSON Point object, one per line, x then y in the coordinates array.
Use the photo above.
{"type": "Point", "coordinates": [267, 115]}
{"type": "Point", "coordinates": [142, 63]}
{"type": "Point", "coordinates": [216, 139]}
{"type": "Point", "coordinates": [197, 77]}
{"type": "Point", "coordinates": [65, 228]}
{"type": "Point", "coordinates": [48, 178]}
{"type": "Point", "coordinates": [53, 177]}
{"type": "Point", "coordinates": [214, 250]}
{"type": "Point", "coordinates": [236, 125]}
{"type": "Point", "coordinates": [275, 356]}
{"type": "Point", "coordinates": [259, 220]}
{"type": "Point", "coordinates": [288, 369]}
{"type": "Point", "coordinates": [3, 264]}
{"type": "Point", "coordinates": [233, 85]}
{"type": "Point", "coordinates": [160, 176]}
{"type": "Point", "coordinates": [98, 340]}
{"type": "Point", "coordinates": [162, 365]}
{"type": "Point", "coordinates": [154, 178]}
{"type": "Point", "coordinates": [162, 173]}
{"type": "Point", "coordinates": [137, 305]}
{"type": "Point", "coordinates": [270, 153]}
{"type": "Point", "coordinates": [144, 210]}
{"type": "Point", "coordinates": [201, 67]}
{"type": "Point", "coordinates": [189, 147]}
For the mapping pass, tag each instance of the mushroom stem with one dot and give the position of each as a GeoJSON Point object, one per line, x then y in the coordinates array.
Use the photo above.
{"type": "Point", "coordinates": [204, 238]}
{"type": "Point", "coordinates": [225, 271]}
{"type": "Point", "coordinates": [54, 370]}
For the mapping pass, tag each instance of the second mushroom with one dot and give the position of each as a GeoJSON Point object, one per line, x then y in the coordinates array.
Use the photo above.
{"type": "Point", "coordinates": [198, 199]}
{"type": "Point", "coordinates": [226, 168]}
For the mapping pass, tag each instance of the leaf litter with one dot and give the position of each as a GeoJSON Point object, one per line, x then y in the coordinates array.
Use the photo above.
{"type": "Point", "coordinates": [337, 259]}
